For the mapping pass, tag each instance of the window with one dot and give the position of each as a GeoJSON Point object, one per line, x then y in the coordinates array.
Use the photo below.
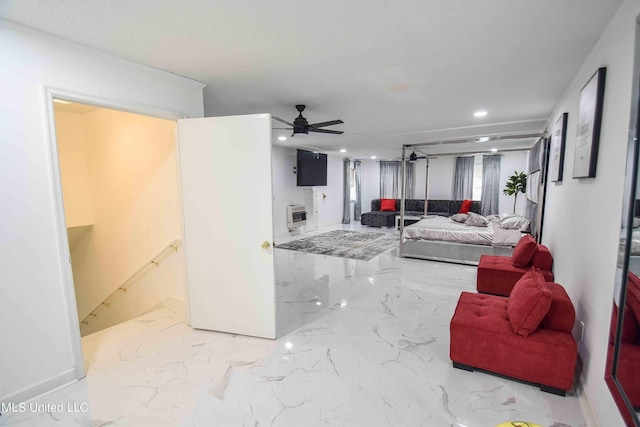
{"type": "Point", "coordinates": [477, 177]}
{"type": "Point", "coordinates": [352, 182]}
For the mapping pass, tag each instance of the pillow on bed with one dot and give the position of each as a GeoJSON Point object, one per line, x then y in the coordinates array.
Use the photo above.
{"type": "Point", "coordinates": [459, 217]}
{"type": "Point", "coordinates": [493, 218]}
{"type": "Point", "coordinates": [476, 220]}
{"type": "Point", "coordinates": [515, 223]}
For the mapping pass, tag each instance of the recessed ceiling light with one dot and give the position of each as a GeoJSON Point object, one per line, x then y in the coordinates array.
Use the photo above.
{"type": "Point", "coordinates": [343, 150]}
{"type": "Point", "coordinates": [282, 138]}
{"type": "Point", "coordinates": [61, 101]}
{"type": "Point", "coordinates": [483, 139]}
{"type": "Point", "coordinates": [494, 150]}
{"type": "Point", "coordinates": [373, 157]}
{"type": "Point", "coordinates": [480, 113]}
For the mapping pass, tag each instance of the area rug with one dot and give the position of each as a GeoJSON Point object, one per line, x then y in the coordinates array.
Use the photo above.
{"type": "Point", "coordinates": [345, 244]}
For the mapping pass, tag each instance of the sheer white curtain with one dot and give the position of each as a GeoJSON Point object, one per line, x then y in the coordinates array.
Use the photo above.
{"type": "Point", "coordinates": [491, 184]}
{"type": "Point", "coordinates": [391, 180]}
{"type": "Point", "coordinates": [346, 191]}
{"type": "Point", "coordinates": [463, 179]}
{"type": "Point", "coordinates": [357, 207]}
{"type": "Point", "coordinates": [410, 191]}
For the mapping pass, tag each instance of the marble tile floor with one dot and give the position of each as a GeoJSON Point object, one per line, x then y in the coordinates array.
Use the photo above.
{"type": "Point", "coordinates": [361, 343]}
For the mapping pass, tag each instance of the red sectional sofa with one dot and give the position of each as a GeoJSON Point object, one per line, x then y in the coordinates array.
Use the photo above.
{"type": "Point", "coordinates": [526, 336]}
{"type": "Point", "coordinates": [497, 275]}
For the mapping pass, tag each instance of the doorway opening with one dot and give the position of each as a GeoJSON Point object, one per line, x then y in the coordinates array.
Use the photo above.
{"type": "Point", "coordinates": [119, 175]}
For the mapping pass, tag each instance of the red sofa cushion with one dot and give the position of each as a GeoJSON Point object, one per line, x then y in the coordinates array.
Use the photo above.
{"type": "Point", "coordinates": [633, 294]}
{"type": "Point", "coordinates": [388, 204]}
{"type": "Point", "coordinates": [529, 302]}
{"type": "Point", "coordinates": [524, 251]}
{"type": "Point", "coordinates": [561, 315]}
{"type": "Point", "coordinates": [465, 207]}
{"type": "Point", "coordinates": [497, 275]}
{"type": "Point", "coordinates": [482, 337]}
{"type": "Point", "coordinates": [542, 258]}
{"type": "Point", "coordinates": [629, 325]}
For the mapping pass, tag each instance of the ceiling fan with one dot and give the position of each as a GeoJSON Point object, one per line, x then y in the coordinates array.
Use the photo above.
{"type": "Point", "coordinates": [301, 126]}
{"type": "Point", "coordinates": [413, 157]}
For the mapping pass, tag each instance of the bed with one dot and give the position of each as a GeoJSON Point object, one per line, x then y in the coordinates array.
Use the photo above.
{"type": "Point", "coordinates": [442, 238]}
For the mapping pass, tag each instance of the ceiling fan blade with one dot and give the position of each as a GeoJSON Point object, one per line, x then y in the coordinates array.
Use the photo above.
{"type": "Point", "coordinates": [282, 121]}
{"type": "Point", "coordinates": [281, 128]}
{"type": "Point", "coordinates": [329, 123]}
{"type": "Point", "coordinates": [335, 132]}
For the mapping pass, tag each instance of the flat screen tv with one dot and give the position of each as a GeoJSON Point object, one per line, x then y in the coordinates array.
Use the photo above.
{"type": "Point", "coordinates": [312, 169]}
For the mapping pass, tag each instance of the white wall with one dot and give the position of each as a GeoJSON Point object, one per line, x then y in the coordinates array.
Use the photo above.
{"type": "Point", "coordinates": [286, 192]}
{"type": "Point", "coordinates": [582, 216]}
{"type": "Point", "coordinates": [74, 171]}
{"type": "Point", "coordinates": [129, 171]}
{"type": "Point", "coordinates": [35, 298]}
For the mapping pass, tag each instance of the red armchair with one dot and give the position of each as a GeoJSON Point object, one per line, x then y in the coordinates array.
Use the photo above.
{"type": "Point", "coordinates": [526, 336]}
{"type": "Point", "coordinates": [497, 275]}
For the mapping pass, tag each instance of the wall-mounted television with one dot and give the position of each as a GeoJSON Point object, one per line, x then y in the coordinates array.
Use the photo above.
{"type": "Point", "coordinates": [311, 169]}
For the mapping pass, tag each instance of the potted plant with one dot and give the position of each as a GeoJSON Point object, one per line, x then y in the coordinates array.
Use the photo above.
{"type": "Point", "coordinates": [517, 184]}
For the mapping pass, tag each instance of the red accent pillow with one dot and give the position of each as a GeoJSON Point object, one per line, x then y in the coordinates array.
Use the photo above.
{"type": "Point", "coordinates": [465, 207]}
{"type": "Point", "coordinates": [524, 251]}
{"type": "Point", "coordinates": [529, 302]}
{"type": "Point", "coordinates": [387, 204]}
{"type": "Point", "coordinates": [542, 258]}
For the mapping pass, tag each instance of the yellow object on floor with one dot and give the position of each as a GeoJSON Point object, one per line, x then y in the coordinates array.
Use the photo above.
{"type": "Point", "coordinates": [518, 424]}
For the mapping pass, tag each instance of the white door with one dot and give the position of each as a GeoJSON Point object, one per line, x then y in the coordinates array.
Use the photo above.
{"type": "Point", "coordinates": [225, 165]}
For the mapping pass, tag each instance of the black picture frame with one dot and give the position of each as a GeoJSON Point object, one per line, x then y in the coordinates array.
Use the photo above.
{"type": "Point", "coordinates": [589, 122]}
{"type": "Point", "coordinates": [556, 149]}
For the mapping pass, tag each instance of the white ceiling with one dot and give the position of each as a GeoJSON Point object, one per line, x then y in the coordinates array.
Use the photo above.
{"type": "Point", "coordinates": [396, 72]}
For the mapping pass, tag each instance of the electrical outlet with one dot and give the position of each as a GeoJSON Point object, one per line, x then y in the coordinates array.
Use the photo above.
{"type": "Point", "coordinates": [581, 330]}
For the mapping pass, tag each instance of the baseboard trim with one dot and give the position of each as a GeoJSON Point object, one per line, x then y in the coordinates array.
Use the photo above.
{"type": "Point", "coordinates": [33, 391]}
{"type": "Point", "coordinates": [586, 406]}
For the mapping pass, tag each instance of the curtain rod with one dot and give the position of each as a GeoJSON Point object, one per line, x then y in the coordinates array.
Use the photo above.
{"type": "Point", "coordinates": [470, 139]}
{"type": "Point", "coordinates": [470, 153]}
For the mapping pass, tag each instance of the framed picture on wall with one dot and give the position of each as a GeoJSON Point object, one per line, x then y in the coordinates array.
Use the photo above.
{"type": "Point", "coordinates": [556, 154]}
{"type": "Point", "coordinates": [589, 119]}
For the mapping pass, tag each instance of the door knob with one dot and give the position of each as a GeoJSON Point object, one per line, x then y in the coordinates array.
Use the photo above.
{"type": "Point", "coordinates": [265, 245]}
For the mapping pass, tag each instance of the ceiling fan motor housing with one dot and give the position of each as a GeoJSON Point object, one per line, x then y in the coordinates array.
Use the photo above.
{"type": "Point", "coordinates": [300, 124]}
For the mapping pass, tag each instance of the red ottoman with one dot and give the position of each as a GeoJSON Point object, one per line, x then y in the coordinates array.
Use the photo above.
{"type": "Point", "coordinates": [483, 337]}
{"type": "Point", "coordinates": [497, 275]}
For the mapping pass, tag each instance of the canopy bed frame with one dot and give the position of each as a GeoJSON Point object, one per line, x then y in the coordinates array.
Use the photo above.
{"type": "Point", "coordinates": [447, 251]}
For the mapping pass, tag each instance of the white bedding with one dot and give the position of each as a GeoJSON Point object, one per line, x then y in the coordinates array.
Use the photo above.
{"type": "Point", "coordinates": [445, 229]}
{"type": "Point", "coordinates": [635, 241]}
